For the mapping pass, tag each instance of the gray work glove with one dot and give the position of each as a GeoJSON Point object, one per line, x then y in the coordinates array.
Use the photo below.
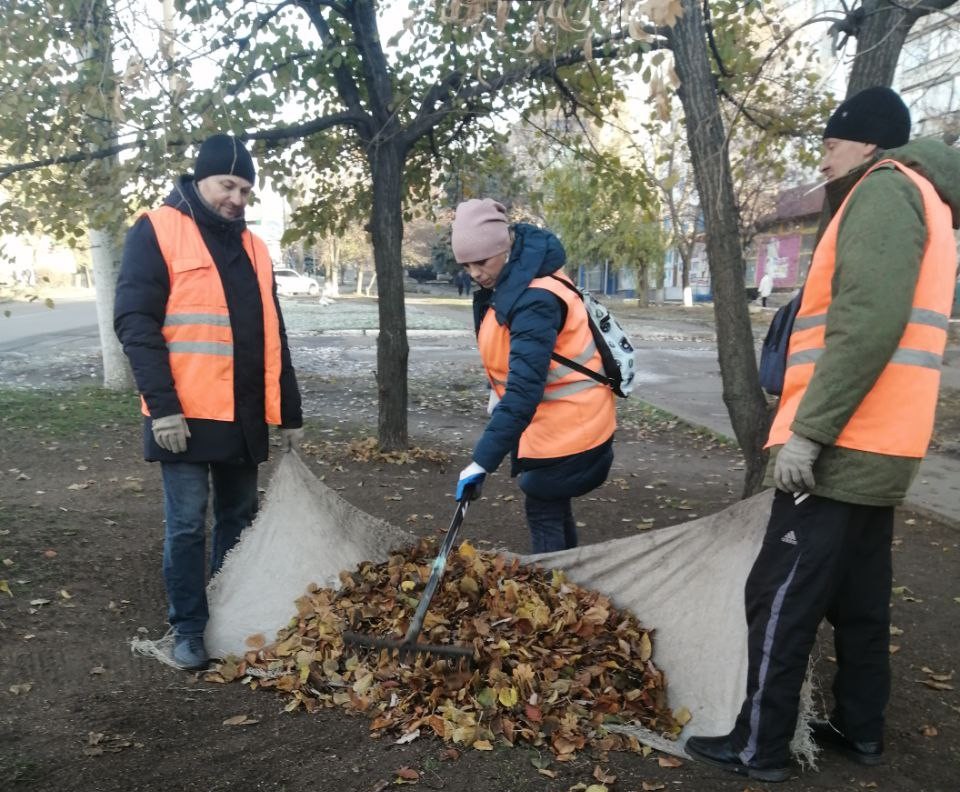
{"type": "Point", "coordinates": [290, 439]}
{"type": "Point", "coordinates": [171, 433]}
{"type": "Point", "coordinates": [794, 469]}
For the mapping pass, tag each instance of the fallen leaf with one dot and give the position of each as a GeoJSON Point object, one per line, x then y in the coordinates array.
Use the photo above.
{"type": "Point", "coordinates": [96, 670]}
{"type": "Point", "coordinates": [482, 745]}
{"type": "Point", "coordinates": [23, 687]}
{"type": "Point", "coordinates": [682, 716]}
{"type": "Point", "coordinates": [596, 788]}
{"type": "Point", "coordinates": [652, 786]}
{"type": "Point", "coordinates": [407, 774]}
{"type": "Point", "coordinates": [603, 776]}
{"type": "Point", "coordinates": [669, 761]}
{"type": "Point", "coordinates": [240, 720]}
{"type": "Point", "coordinates": [40, 601]}
{"type": "Point", "coordinates": [5, 587]}
{"type": "Point", "coordinates": [548, 773]}
{"type": "Point", "coordinates": [929, 731]}
{"type": "Point", "coordinates": [932, 683]}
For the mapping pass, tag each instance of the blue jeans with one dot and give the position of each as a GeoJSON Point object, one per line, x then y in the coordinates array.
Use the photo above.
{"type": "Point", "coordinates": [551, 524]}
{"type": "Point", "coordinates": [186, 489]}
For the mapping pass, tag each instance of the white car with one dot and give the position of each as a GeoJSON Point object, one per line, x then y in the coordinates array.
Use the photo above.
{"type": "Point", "coordinates": [291, 282]}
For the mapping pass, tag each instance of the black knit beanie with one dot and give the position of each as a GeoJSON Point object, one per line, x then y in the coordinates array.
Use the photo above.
{"type": "Point", "coordinates": [224, 155]}
{"type": "Point", "coordinates": [875, 115]}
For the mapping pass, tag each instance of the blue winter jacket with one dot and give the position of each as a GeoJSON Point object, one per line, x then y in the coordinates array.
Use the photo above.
{"type": "Point", "coordinates": [535, 317]}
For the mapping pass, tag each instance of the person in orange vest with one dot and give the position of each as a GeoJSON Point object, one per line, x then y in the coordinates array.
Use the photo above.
{"type": "Point", "coordinates": [197, 313]}
{"type": "Point", "coordinates": [852, 426]}
{"type": "Point", "coordinates": [556, 423]}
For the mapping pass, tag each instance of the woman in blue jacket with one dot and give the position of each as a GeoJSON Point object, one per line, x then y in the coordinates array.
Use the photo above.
{"type": "Point", "coordinates": [555, 422]}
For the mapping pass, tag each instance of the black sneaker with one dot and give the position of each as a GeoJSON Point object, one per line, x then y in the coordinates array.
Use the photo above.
{"type": "Point", "coordinates": [718, 751]}
{"type": "Point", "coordinates": [862, 752]}
{"type": "Point", "coordinates": [189, 653]}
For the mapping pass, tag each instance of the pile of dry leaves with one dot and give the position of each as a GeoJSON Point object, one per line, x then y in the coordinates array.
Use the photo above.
{"type": "Point", "coordinates": [553, 662]}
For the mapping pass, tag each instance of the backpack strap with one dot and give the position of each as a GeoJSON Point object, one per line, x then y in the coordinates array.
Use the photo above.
{"type": "Point", "coordinates": [601, 378]}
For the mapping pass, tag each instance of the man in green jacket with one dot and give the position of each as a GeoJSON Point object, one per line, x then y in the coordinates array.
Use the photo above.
{"type": "Point", "coordinates": [850, 433]}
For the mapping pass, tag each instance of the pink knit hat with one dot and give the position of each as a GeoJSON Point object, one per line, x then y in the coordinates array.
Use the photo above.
{"type": "Point", "coordinates": [479, 230]}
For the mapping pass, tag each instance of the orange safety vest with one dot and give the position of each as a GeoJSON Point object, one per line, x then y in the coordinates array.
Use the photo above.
{"type": "Point", "coordinates": [577, 413]}
{"type": "Point", "coordinates": [197, 323]}
{"type": "Point", "coordinates": [896, 416]}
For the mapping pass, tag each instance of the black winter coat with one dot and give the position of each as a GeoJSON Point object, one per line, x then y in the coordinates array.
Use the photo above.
{"type": "Point", "coordinates": [143, 287]}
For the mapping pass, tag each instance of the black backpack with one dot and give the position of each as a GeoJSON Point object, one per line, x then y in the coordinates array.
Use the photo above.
{"type": "Point", "coordinates": [773, 353]}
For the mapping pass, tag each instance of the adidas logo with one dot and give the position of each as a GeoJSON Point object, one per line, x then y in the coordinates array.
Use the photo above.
{"type": "Point", "coordinates": [789, 537]}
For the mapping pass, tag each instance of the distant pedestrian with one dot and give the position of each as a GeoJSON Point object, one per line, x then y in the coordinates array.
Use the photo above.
{"type": "Point", "coordinates": [852, 427]}
{"type": "Point", "coordinates": [464, 282]}
{"type": "Point", "coordinates": [765, 287]}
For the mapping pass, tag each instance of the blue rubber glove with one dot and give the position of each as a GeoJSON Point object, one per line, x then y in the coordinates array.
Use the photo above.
{"type": "Point", "coordinates": [470, 482]}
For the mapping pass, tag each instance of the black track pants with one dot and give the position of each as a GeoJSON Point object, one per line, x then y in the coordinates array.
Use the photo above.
{"type": "Point", "coordinates": [820, 558]}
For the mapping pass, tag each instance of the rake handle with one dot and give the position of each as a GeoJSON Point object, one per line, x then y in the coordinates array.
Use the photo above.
{"type": "Point", "coordinates": [439, 564]}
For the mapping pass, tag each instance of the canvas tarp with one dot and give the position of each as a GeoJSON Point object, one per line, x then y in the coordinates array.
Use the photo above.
{"type": "Point", "coordinates": [685, 582]}
{"type": "Point", "coordinates": [304, 533]}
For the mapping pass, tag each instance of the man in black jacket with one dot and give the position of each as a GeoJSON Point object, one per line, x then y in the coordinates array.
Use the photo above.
{"type": "Point", "coordinates": [197, 313]}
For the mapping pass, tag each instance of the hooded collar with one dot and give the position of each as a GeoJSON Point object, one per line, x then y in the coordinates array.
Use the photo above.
{"type": "Point", "coordinates": [535, 253]}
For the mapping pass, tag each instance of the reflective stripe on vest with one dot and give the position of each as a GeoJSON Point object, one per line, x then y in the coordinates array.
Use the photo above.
{"type": "Point", "coordinates": [197, 323]}
{"type": "Point", "coordinates": [896, 416]}
{"type": "Point", "coordinates": [576, 413]}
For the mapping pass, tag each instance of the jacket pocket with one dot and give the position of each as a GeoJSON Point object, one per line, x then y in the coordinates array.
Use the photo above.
{"type": "Point", "coordinates": [195, 283]}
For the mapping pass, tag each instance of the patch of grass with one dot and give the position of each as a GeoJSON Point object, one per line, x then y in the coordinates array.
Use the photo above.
{"type": "Point", "coordinates": [647, 417]}
{"type": "Point", "coordinates": [67, 414]}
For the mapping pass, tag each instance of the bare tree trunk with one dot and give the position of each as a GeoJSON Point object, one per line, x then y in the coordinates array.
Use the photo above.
{"type": "Point", "coordinates": [104, 248]}
{"type": "Point", "coordinates": [370, 286]}
{"type": "Point", "coordinates": [881, 28]}
{"type": "Point", "coordinates": [882, 31]}
{"type": "Point", "coordinates": [711, 163]}
{"type": "Point", "coordinates": [386, 229]}
{"type": "Point", "coordinates": [105, 254]}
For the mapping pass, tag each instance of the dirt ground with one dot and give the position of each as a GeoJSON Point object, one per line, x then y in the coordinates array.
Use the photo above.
{"type": "Point", "coordinates": [80, 546]}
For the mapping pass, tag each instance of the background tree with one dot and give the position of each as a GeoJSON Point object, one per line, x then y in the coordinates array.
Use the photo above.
{"type": "Point", "coordinates": [605, 212]}
{"type": "Point", "coordinates": [880, 28]}
{"type": "Point", "coordinates": [387, 113]}
{"type": "Point", "coordinates": [59, 88]}
{"type": "Point", "coordinates": [720, 61]}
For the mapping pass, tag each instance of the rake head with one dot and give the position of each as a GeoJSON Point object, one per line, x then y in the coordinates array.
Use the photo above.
{"type": "Point", "coordinates": [408, 648]}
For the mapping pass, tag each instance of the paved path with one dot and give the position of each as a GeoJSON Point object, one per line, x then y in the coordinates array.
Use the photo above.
{"type": "Point", "coordinates": [677, 361]}
{"type": "Point", "coordinates": [684, 379]}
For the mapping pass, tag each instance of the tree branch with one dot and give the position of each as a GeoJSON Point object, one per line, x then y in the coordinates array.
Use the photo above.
{"type": "Point", "coordinates": [346, 86]}
{"type": "Point", "coordinates": [452, 89]}
{"type": "Point", "coordinates": [309, 128]}
{"type": "Point", "coordinates": [376, 70]}
{"type": "Point", "coordinates": [243, 82]}
{"type": "Point", "coordinates": [270, 135]}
